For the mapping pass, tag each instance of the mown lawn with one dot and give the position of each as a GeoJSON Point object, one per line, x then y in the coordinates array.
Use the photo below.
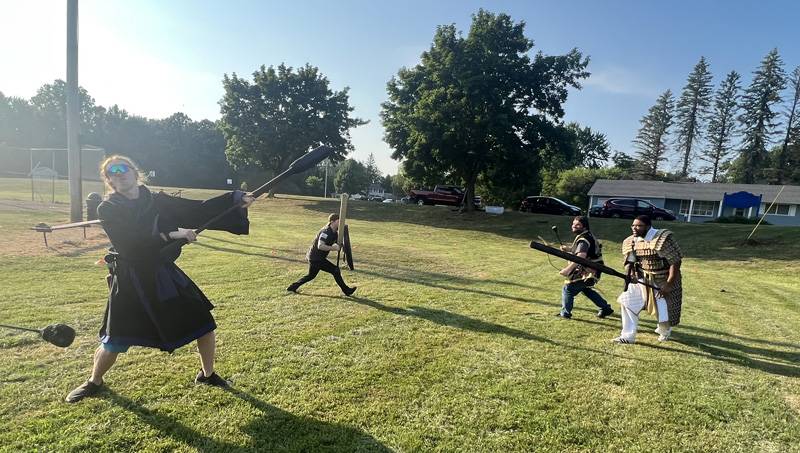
{"type": "Point", "coordinates": [450, 345]}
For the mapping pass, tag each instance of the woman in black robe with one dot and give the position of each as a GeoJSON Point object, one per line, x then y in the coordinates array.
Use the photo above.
{"type": "Point", "coordinates": [151, 302]}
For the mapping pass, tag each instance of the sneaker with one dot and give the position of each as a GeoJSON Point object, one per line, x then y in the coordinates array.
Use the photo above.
{"type": "Point", "coordinates": [214, 380]}
{"type": "Point", "coordinates": [88, 388]}
{"type": "Point", "coordinates": [564, 315]}
{"type": "Point", "coordinates": [350, 291]}
{"type": "Point", "coordinates": [292, 289]}
{"type": "Point", "coordinates": [620, 340]}
{"type": "Point", "coordinates": [664, 336]}
{"type": "Point", "coordinates": [605, 312]}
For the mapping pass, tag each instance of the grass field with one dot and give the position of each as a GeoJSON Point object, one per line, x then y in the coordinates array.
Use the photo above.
{"type": "Point", "coordinates": [450, 345]}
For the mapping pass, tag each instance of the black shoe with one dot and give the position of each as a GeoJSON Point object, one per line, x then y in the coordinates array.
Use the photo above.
{"type": "Point", "coordinates": [292, 288]}
{"type": "Point", "coordinates": [605, 312]}
{"type": "Point", "coordinates": [214, 380]}
{"type": "Point", "coordinates": [88, 388]}
{"type": "Point", "coordinates": [350, 291]}
{"type": "Point", "coordinates": [563, 315]}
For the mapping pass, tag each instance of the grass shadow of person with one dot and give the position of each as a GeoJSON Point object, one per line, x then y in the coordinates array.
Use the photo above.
{"type": "Point", "coordinates": [412, 278]}
{"type": "Point", "coordinates": [458, 321]}
{"type": "Point", "coordinates": [274, 430]}
{"type": "Point", "coordinates": [361, 261]}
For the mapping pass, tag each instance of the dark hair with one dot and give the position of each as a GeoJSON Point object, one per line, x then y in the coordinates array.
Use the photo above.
{"type": "Point", "coordinates": [583, 220]}
{"type": "Point", "coordinates": [333, 218]}
{"type": "Point", "coordinates": [644, 219]}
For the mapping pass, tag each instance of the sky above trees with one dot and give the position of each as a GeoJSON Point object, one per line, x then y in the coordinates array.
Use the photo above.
{"type": "Point", "coordinates": [156, 58]}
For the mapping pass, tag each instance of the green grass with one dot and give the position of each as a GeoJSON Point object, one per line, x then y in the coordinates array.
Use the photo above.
{"type": "Point", "coordinates": [451, 344]}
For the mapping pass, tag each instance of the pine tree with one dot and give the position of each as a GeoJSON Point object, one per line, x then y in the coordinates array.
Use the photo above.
{"type": "Point", "coordinates": [691, 110]}
{"type": "Point", "coordinates": [792, 126]}
{"type": "Point", "coordinates": [722, 125]}
{"type": "Point", "coordinates": [651, 140]}
{"type": "Point", "coordinates": [758, 117]}
{"type": "Point", "coordinates": [373, 171]}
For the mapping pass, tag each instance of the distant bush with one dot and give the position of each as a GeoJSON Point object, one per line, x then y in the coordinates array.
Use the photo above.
{"type": "Point", "coordinates": [742, 220]}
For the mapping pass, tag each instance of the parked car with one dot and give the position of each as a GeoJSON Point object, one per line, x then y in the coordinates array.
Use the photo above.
{"type": "Point", "coordinates": [631, 207]}
{"type": "Point", "coordinates": [388, 200]}
{"type": "Point", "coordinates": [548, 205]}
{"type": "Point", "coordinates": [447, 195]}
{"type": "Point", "coordinates": [377, 198]}
{"type": "Point", "coordinates": [596, 211]}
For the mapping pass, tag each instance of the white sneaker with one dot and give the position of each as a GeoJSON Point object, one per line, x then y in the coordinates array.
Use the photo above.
{"type": "Point", "coordinates": [664, 337]}
{"type": "Point", "coordinates": [620, 340]}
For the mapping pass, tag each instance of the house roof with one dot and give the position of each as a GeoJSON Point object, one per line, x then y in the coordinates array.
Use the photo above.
{"type": "Point", "coordinates": [690, 191]}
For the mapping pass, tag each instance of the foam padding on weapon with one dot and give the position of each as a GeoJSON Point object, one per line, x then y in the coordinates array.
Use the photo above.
{"type": "Point", "coordinates": [60, 335]}
{"type": "Point", "coordinates": [348, 251]}
{"type": "Point", "coordinates": [342, 220]}
{"type": "Point", "coordinates": [583, 261]}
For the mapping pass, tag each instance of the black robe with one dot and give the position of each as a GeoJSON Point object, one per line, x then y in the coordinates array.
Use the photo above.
{"type": "Point", "coordinates": [151, 301]}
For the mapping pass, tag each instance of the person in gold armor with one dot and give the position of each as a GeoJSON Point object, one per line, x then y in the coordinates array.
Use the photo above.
{"type": "Point", "coordinates": [654, 257]}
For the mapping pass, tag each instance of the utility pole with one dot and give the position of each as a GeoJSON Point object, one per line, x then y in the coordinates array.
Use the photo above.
{"type": "Point", "coordinates": [326, 177]}
{"type": "Point", "coordinates": [73, 115]}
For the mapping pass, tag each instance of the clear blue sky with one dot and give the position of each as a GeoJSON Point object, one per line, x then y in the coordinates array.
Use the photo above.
{"type": "Point", "coordinates": [158, 57]}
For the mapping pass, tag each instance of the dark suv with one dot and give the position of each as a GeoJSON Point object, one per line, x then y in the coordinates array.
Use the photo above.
{"type": "Point", "coordinates": [548, 205]}
{"type": "Point", "coordinates": [632, 207]}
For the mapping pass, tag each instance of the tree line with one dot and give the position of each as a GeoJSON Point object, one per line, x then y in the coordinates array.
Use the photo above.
{"type": "Point", "coordinates": [741, 135]}
{"type": "Point", "coordinates": [481, 109]}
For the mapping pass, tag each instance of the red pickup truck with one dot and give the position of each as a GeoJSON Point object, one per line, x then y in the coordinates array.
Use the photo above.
{"type": "Point", "coordinates": [448, 195]}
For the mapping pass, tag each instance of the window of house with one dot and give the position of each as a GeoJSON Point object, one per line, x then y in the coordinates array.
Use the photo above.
{"type": "Point", "coordinates": [703, 208]}
{"type": "Point", "coordinates": [685, 207]}
{"type": "Point", "coordinates": [778, 209]}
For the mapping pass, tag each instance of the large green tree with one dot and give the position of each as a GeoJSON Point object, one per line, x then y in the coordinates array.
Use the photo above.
{"type": "Point", "coordinates": [351, 177]}
{"type": "Point", "coordinates": [721, 126]}
{"type": "Point", "coordinates": [478, 106]}
{"type": "Point", "coordinates": [591, 147]}
{"type": "Point", "coordinates": [573, 185]}
{"type": "Point", "coordinates": [651, 140]}
{"type": "Point", "coordinates": [759, 118]}
{"type": "Point", "coordinates": [691, 110]}
{"type": "Point", "coordinates": [281, 114]}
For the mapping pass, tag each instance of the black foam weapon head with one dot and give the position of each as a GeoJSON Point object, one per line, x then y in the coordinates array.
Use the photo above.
{"type": "Point", "coordinates": [60, 335]}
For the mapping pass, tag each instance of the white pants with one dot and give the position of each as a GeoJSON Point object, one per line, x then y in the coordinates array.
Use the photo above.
{"type": "Point", "coordinates": [631, 304]}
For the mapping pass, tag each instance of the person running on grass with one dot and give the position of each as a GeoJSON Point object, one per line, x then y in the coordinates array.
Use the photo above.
{"type": "Point", "coordinates": [317, 257]}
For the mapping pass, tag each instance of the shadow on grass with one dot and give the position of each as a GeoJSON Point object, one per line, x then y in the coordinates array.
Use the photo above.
{"type": "Point", "coordinates": [462, 322]}
{"type": "Point", "coordinates": [359, 262]}
{"type": "Point", "coordinates": [772, 361]}
{"type": "Point", "coordinates": [708, 242]}
{"type": "Point", "coordinates": [783, 363]}
{"type": "Point", "coordinates": [446, 318]}
{"type": "Point", "coordinates": [429, 279]}
{"type": "Point", "coordinates": [274, 430]}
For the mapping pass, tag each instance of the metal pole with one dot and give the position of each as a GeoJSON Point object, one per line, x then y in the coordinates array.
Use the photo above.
{"type": "Point", "coordinates": [31, 153]}
{"type": "Point", "coordinates": [326, 178]}
{"type": "Point", "coordinates": [54, 177]}
{"type": "Point", "coordinates": [765, 212]}
{"type": "Point", "coordinates": [73, 115]}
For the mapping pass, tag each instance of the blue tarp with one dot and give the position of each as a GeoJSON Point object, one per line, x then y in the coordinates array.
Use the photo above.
{"type": "Point", "coordinates": [742, 200]}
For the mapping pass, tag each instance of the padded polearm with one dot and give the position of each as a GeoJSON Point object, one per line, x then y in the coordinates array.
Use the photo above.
{"type": "Point", "coordinates": [342, 225]}
{"type": "Point", "coordinates": [300, 165]}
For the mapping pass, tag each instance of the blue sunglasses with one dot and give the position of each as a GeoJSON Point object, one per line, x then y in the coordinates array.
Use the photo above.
{"type": "Point", "coordinates": [117, 169]}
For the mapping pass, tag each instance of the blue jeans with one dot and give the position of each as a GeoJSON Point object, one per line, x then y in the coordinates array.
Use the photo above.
{"type": "Point", "coordinates": [570, 290]}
